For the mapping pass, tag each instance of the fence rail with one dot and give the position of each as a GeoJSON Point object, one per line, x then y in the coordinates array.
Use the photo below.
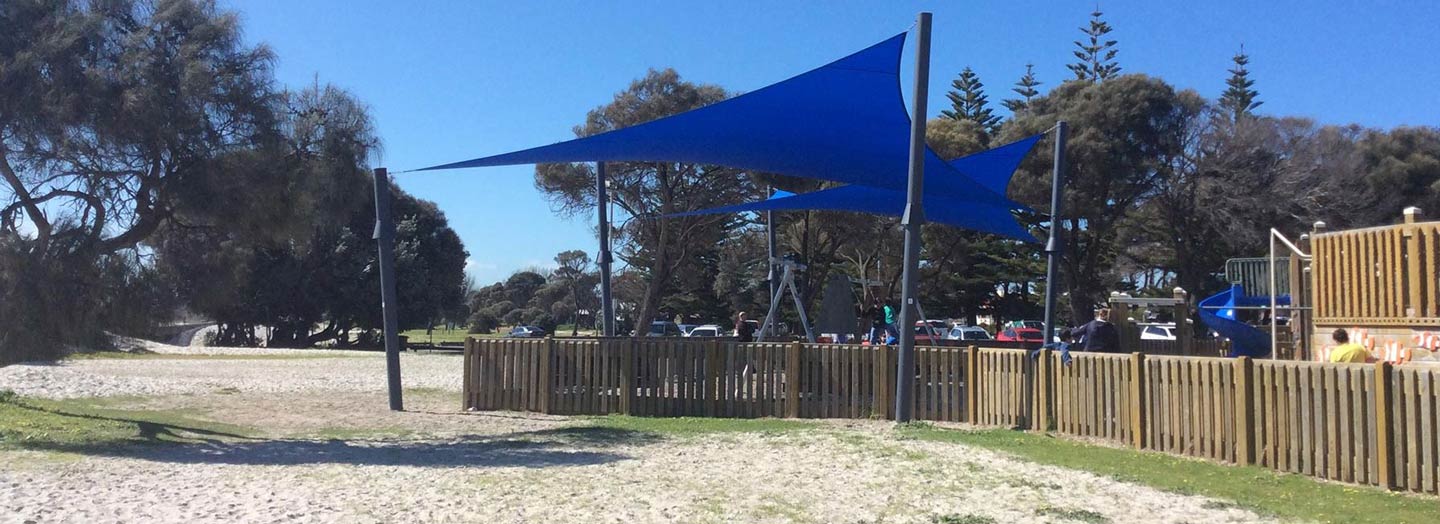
{"type": "Point", "coordinates": [1368, 424]}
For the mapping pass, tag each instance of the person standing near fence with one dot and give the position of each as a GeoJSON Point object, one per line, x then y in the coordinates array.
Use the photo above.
{"type": "Point", "coordinates": [876, 315]}
{"type": "Point", "coordinates": [1347, 351]}
{"type": "Point", "coordinates": [892, 334]}
{"type": "Point", "coordinates": [1098, 335]}
{"type": "Point", "coordinates": [743, 330]}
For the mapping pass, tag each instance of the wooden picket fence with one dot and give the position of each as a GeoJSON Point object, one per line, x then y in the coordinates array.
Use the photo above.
{"type": "Point", "coordinates": [1368, 424]}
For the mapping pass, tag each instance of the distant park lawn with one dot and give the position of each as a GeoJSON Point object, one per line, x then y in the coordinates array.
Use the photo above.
{"type": "Point", "coordinates": [440, 335]}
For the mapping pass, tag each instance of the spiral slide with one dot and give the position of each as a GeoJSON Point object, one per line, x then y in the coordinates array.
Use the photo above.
{"type": "Point", "coordinates": [1218, 313]}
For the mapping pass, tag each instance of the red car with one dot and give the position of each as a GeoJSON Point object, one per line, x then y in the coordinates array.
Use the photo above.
{"type": "Point", "coordinates": [935, 332]}
{"type": "Point", "coordinates": [1022, 334]}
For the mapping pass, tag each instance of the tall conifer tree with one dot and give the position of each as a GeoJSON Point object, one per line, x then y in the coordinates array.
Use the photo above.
{"type": "Point", "coordinates": [1239, 97]}
{"type": "Point", "coordinates": [1025, 87]}
{"type": "Point", "coordinates": [1097, 58]}
{"type": "Point", "coordinates": [968, 102]}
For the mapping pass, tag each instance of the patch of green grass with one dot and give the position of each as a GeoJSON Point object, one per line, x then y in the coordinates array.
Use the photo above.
{"type": "Point", "coordinates": [1257, 489]}
{"type": "Point", "coordinates": [87, 425]}
{"type": "Point", "coordinates": [778, 508]}
{"type": "Point", "coordinates": [696, 426]}
{"type": "Point", "coordinates": [961, 519]}
{"type": "Point", "coordinates": [126, 355]}
{"type": "Point", "coordinates": [1077, 515]}
{"type": "Point", "coordinates": [442, 335]}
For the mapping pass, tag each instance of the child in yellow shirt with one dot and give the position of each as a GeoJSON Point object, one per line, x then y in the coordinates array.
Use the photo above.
{"type": "Point", "coordinates": [1347, 351]}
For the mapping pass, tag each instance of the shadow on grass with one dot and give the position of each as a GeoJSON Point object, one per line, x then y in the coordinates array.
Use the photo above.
{"type": "Point", "coordinates": [189, 444]}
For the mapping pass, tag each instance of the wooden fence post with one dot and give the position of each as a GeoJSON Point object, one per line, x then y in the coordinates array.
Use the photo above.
{"type": "Point", "coordinates": [547, 376]}
{"type": "Point", "coordinates": [884, 387]}
{"type": "Point", "coordinates": [1184, 333]}
{"type": "Point", "coordinates": [792, 380]}
{"type": "Point", "coordinates": [711, 394]}
{"type": "Point", "coordinates": [467, 399]}
{"type": "Point", "coordinates": [1138, 389]}
{"type": "Point", "coordinates": [1244, 411]}
{"type": "Point", "coordinates": [627, 377]}
{"type": "Point", "coordinates": [1384, 436]}
{"type": "Point", "coordinates": [1040, 409]}
{"type": "Point", "coordinates": [972, 384]}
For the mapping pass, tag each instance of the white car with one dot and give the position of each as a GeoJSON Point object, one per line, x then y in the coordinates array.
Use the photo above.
{"type": "Point", "coordinates": [707, 330]}
{"type": "Point", "coordinates": [968, 333]}
{"type": "Point", "coordinates": [1158, 332]}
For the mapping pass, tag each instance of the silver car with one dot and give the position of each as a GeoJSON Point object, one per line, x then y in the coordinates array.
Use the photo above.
{"type": "Point", "coordinates": [968, 333]}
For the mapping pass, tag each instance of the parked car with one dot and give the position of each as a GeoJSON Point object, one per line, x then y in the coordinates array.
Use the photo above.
{"type": "Point", "coordinates": [707, 330]}
{"type": "Point", "coordinates": [1020, 334]}
{"type": "Point", "coordinates": [968, 333]}
{"type": "Point", "coordinates": [685, 328]}
{"type": "Point", "coordinates": [1158, 332]}
{"type": "Point", "coordinates": [1027, 324]}
{"type": "Point", "coordinates": [925, 333]}
{"type": "Point", "coordinates": [525, 332]}
{"type": "Point", "coordinates": [664, 329]}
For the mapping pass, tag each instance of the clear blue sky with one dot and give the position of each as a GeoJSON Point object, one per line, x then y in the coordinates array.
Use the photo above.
{"type": "Point", "coordinates": [455, 80]}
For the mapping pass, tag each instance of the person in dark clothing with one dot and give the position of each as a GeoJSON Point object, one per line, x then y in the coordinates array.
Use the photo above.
{"type": "Point", "coordinates": [1098, 335]}
{"type": "Point", "coordinates": [744, 330]}
{"type": "Point", "coordinates": [876, 315]}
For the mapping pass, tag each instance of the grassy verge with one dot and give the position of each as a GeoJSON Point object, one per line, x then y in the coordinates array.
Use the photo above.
{"type": "Point", "coordinates": [1261, 490]}
{"type": "Point", "coordinates": [441, 335]}
{"type": "Point", "coordinates": [696, 426]}
{"type": "Point", "coordinates": [87, 425]}
{"type": "Point", "coordinates": [457, 336]}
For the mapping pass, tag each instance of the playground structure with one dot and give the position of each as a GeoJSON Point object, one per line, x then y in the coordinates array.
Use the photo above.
{"type": "Point", "coordinates": [1379, 284]}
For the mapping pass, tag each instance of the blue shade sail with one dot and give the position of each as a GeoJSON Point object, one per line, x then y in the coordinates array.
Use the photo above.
{"type": "Point", "coordinates": [992, 168]}
{"type": "Point", "coordinates": [975, 216]}
{"type": "Point", "coordinates": [844, 122]}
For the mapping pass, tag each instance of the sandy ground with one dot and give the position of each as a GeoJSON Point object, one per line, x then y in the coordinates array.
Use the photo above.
{"type": "Point", "coordinates": [437, 464]}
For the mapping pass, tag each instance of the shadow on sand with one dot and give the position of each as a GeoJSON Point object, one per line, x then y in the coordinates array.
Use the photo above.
{"type": "Point", "coordinates": [175, 443]}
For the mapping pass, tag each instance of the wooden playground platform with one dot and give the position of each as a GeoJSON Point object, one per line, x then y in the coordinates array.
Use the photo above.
{"type": "Point", "coordinates": [1361, 423]}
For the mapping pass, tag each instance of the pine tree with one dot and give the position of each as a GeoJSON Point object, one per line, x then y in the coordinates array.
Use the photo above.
{"type": "Point", "coordinates": [968, 101]}
{"type": "Point", "coordinates": [1025, 87]}
{"type": "Point", "coordinates": [1239, 97]}
{"type": "Point", "coordinates": [1097, 59]}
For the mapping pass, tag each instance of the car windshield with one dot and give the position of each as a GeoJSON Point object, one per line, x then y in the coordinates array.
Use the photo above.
{"type": "Point", "coordinates": [657, 328]}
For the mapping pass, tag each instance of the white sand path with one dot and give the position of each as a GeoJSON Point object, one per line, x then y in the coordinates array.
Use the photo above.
{"type": "Point", "coordinates": [511, 468]}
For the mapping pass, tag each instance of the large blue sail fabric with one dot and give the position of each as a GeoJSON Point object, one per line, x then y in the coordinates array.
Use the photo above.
{"type": "Point", "coordinates": [844, 122]}
{"type": "Point", "coordinates": [975, 216]}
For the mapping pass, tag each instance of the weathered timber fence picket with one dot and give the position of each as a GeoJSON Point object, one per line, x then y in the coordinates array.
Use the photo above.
{"type": "Point", "coordinates": [1367, 424]}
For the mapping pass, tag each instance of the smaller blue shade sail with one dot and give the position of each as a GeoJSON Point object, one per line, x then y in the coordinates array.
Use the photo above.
{"type": "Point", "coordinates": [992, 168]}
{"type": "Point", "coordinates": [986, 218]}
{"type": "Point", "coordinates": [844, 122]}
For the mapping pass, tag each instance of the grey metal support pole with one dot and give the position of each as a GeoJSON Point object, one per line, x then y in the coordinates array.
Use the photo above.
{"type": "Point", "coordinates": [1052, 247]}
{"type": "Point", "coordinates": [602, 205]}
{"type": "Point", "coordinates": [914, 218]}
{"type": "Point", "coordinates": [770, 248]}
{"type": "Point", "coordinates": [1052, 278]}
{"type": "Point", "coordinates": [385, 234]}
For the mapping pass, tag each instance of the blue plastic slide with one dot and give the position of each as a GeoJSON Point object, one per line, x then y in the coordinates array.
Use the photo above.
{"type": "Point", "coordinates": [1218, 313]}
